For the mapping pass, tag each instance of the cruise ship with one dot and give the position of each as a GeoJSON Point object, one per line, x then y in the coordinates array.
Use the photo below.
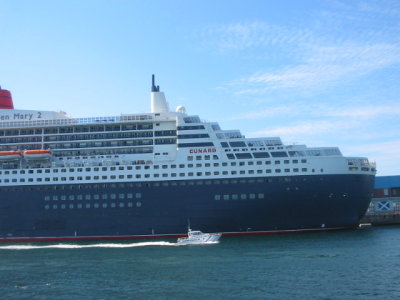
{"type": "Point", "coordinates": [152, 175]}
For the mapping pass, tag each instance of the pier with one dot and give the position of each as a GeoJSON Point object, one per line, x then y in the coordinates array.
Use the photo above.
{"type": "Point", "coordinates": [385, 204]}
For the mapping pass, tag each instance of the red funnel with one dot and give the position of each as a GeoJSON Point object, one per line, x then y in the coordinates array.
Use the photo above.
{"type": "Point", "coordinates": [6, 100]}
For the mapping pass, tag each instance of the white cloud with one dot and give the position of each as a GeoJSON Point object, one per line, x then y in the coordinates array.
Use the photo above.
{"type": "Point", "coordinates": [323, 65]}
{"type": "Point", "coordinates": [245, 35]}
{"type": "Point", "coordinates": [389, 109]}
{"type": "Point", "coordinates": [343, 42]}
{"type": "Point", "coordinates": [304, 128]}
{"type": "Point", "coordinates": [335, 112]}
{"type": "Point", "coordinates": [267, 112]}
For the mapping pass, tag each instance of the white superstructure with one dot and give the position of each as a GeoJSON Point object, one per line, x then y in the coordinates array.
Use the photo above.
{"type": "Point", "coordinates": [161, 145]}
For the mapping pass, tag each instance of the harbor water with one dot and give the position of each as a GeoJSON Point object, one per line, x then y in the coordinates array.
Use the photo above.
{"type": "Point", "coordinates": [357, 264]}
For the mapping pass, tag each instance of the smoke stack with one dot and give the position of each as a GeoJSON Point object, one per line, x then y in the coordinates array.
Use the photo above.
{"type": "Point", "coordinates": [6, 99]}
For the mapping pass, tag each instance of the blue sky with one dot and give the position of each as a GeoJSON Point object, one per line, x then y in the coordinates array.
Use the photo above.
{"type": "Point", "coordinates": [321, 73]}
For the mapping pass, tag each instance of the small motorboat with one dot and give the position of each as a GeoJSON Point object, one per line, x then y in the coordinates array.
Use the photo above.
{"type": "Point", "coordinates": [196, 237]}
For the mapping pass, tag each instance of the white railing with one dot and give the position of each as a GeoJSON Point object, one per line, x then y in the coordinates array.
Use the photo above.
{"type": "Point", "coordinates": [76, 121]}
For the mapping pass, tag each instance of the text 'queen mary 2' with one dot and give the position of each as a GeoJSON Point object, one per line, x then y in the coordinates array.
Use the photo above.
{"type": "Point", "coordinates": [153, 174]}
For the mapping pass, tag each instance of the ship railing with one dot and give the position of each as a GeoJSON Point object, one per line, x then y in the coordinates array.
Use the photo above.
{"type": "Point", "coordinates": [76, 121]}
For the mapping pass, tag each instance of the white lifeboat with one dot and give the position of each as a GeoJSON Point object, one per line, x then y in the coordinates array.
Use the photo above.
{"type": "Point", "coordinates": [38, 154]}
{"type": "Point", "coordinates": [10, 155]}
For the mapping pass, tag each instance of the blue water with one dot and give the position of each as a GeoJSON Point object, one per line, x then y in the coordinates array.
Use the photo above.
{"type": "Point", "coordinates": [360, 264]}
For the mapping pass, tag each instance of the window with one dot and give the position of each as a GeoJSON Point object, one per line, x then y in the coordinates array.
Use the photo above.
{"type": "Point", "coordinates": [186, 145]}
{"type": "Point", "coordinates": [243, 156]}
{"type": "Point", "coordinates": [279, 154]}
{"type": "Point", "coordinates": [261, 154]}
{"type": "Point", "coordinates": [237, 144]}
{"type": "Point", "coordinates": [224, 145]}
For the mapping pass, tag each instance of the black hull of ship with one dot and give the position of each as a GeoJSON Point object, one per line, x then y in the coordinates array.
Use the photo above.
{"type": "Point", "coordinates": [164, 209]}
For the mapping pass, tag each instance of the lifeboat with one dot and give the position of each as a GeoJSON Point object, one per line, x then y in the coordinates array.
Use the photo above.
{"type": "Point", "coordinates": [38, 154]}
{"type": "Point", "coordinates": [10, 155]}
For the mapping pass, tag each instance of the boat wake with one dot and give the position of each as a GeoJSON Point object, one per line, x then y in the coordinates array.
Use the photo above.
{"type": "Point", "coordinates": [108, 245]}
{"type": "Point", "coordinates": [74, 246]}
